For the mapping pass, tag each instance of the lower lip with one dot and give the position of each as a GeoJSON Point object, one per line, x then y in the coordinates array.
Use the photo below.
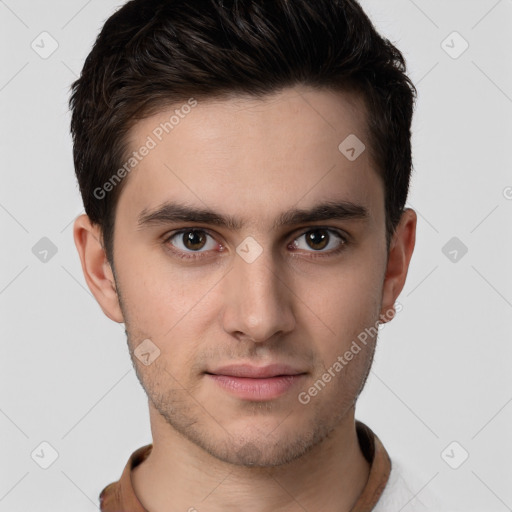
{"type": "Point", "coordinates": [257, 389]}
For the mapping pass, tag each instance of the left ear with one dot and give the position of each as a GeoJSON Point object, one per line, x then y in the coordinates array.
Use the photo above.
{"type": "Point", "coordinates": [400, 253]}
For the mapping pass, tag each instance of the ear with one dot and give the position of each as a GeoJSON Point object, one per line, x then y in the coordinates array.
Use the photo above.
{"type": "Point", "coordinates": [96, 268]}
{"type": "Point", "coordinates": [400, 253]}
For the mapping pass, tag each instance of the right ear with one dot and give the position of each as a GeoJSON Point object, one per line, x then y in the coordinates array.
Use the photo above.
{"type": "Point", "coordinates": [96, 268]}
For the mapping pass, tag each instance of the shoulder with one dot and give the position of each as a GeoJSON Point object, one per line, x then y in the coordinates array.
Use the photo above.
{"type": "Point", "coordinates": [110, 496]}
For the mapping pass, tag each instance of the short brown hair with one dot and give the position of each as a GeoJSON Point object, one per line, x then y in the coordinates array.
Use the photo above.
{"type": "Point", "coordinates": [151, 54]}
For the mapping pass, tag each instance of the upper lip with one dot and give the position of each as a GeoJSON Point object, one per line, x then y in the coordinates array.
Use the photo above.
{"type": "Point", "coordinates": [256, 372]}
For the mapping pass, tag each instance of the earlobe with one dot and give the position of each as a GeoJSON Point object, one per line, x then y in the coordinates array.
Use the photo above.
{"type": "Point", "coordinates": [96, 268]}
{"type": "Point", "coordinates": [400, 253]}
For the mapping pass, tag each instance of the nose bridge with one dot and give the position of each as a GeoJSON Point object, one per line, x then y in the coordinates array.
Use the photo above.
{"type": "Point", "coordinates": [257, 303]}
{"type": "Point", "coordinates": [259, 280]}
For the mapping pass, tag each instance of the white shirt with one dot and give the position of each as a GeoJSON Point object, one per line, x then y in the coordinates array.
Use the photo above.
{"type": "Point", "coordinates": [405, 492]}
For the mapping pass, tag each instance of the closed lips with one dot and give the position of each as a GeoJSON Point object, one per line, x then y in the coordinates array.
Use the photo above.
{"type": "Point", "coordinates": [255, 372]}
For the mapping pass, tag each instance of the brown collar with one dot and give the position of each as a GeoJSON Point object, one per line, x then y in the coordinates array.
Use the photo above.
{"type": "Point", "coordinates": [120, 497]}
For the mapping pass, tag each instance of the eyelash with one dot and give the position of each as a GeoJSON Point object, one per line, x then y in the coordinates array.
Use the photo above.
{"type": "Point", "coordinates": [194, 255]}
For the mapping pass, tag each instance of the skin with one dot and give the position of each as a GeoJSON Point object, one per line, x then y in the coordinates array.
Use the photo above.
{"type": "Point", "coordinates": [251, 159]}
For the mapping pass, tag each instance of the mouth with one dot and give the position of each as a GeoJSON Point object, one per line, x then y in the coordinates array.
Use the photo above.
{"type": "Point", "coordinates": [256, 383]}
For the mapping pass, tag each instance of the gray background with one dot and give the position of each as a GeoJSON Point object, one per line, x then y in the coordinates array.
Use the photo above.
{"type": "Point", "coordinates": [442, 369]}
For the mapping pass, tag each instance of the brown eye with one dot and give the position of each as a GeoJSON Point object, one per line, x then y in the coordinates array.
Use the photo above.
{"type": "Point", "coordinates": [194, 240]}
{"type": "Point", "coordinates": [317, 239]}
{"type": "Point", "coordinates": [320, 240]}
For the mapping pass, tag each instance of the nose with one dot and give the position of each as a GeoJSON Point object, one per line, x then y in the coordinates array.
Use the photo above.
{"type": "Point", "coordinates": [257, 303]}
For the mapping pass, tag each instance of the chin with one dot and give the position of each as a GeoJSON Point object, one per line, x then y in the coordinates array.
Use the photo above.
{"type": "Point", "coordinates": [257, 450]}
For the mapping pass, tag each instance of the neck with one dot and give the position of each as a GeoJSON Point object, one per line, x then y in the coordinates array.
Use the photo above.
{"type": "Point", "coordinates": [178, 475]}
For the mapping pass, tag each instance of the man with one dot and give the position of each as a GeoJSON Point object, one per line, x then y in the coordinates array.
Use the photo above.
{"type": "Point", "coordinates": [244, 166]}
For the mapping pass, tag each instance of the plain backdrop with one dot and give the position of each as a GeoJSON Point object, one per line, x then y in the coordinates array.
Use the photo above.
{"type": "Point", "coordinates": [441, 385]}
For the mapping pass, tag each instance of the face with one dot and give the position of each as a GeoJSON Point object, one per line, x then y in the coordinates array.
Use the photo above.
{"type": "Point", "coordinates": [250, 255]}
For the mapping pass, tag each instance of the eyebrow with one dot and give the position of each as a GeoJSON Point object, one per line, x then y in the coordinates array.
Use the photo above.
{"type": "Point", "coordinates": [170, 212]}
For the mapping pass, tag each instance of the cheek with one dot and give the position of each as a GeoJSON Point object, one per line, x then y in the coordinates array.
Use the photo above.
{"type": "Point", "coordinates": [347, 300]}
{"type": "Point", "coordinates": [159, 296]}
{"type": "Point", "coordinates": [175, 309]}
{"type": "Point", "coordinates": [347, 295]}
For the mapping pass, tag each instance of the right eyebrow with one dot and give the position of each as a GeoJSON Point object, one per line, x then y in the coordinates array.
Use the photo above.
{"type": "Point", "coordinates": [171, 212]}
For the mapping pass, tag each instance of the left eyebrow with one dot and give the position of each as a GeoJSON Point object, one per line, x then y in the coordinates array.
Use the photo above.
{"type": "Point", "coordinates": [344, 210]}
{"type": "Point", "coordinates": [170, 212]}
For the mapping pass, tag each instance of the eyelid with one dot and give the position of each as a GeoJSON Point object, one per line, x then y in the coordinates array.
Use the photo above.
{"type": "Point", "coordinates": [170, 234]}
{"type": "Point", "coordinates": [336, 231]}
{"type": "Point", "coordinates": [188, 254]}
{"type": "Point", "coordinates": [300, 232]}
{"type": "Point", "coordinates": [342, 235]}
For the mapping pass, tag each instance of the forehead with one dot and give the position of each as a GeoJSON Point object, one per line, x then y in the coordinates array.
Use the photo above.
{"type": "Point", "coordinates": [254, 157]}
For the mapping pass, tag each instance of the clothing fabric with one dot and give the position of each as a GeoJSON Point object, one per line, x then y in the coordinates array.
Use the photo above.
{"type": "Point", "coordinates": [406, 492]}
{"type": "Point", "coordinates": [385, 489]}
